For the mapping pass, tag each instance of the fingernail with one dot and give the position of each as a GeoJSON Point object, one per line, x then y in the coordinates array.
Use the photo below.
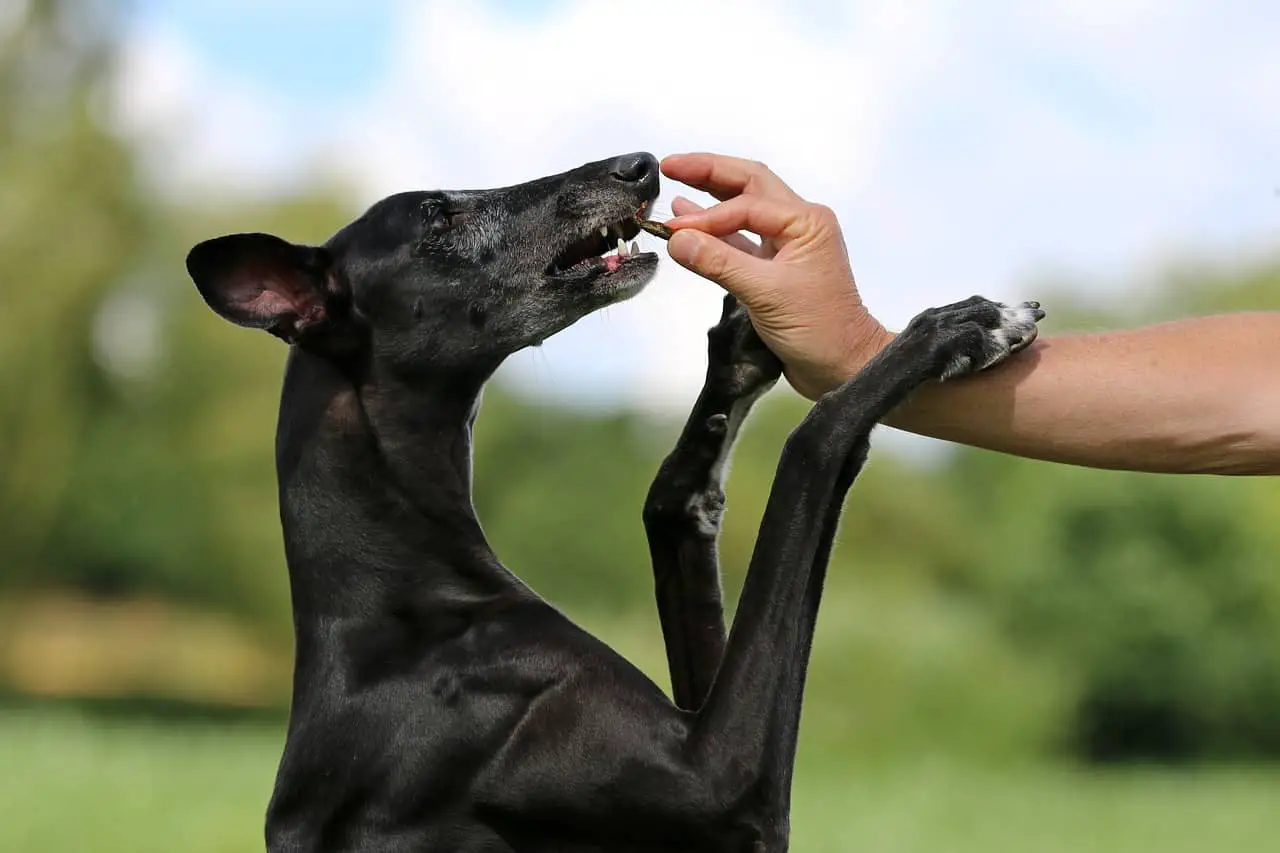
{"type": "Point", "coordinates": [683, 247]}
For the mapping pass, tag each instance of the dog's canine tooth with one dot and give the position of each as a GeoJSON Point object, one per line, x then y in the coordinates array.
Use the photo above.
{"type": "Point", "coordinates": [635, 247]}
{"type": "Point", "coordinates": [622, 248]}
{"type": "Point", "coordinates": [604, 231]}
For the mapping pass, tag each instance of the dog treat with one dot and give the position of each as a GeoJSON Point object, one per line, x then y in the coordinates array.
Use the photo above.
{"type": "Point", "coordinates": [657, 229]}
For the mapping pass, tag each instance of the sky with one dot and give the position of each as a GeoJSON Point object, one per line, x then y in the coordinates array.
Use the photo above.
{"type": "Point", "coordinates": [967, 147]}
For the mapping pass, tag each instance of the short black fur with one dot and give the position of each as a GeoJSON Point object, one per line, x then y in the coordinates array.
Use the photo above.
{"type": "Point", "coordinates": [440, 704]}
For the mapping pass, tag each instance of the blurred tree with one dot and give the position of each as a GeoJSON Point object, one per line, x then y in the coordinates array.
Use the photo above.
{"type": "Point", "coordinates": [72, 224]}
{"type": "Point", "coordinates": [137, 429]}
{"type": "Point", "coordinates": [1158, 595]}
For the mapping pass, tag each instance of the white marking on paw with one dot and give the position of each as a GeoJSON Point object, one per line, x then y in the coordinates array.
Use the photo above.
{"type": "Point", "coordinates": [707, 510]}
{"type": "Point", "coordinates": [1018, 327]}
{"type": "Point", "coordinates": [1016, 332]}
{"type": "Point", "coordinates": [958, 366]}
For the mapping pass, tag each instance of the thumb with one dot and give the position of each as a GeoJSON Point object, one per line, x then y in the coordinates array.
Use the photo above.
{"type": "Point", "coordinates": [712, 258]}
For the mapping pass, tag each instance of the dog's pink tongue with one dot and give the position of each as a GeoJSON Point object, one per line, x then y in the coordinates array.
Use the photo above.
{"type": "Point", "coordinates": [612, 262]}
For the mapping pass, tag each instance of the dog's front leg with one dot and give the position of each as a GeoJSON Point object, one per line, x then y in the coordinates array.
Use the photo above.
{"type": "Point", "coordinates": [746, 732]}
{"type": "Point", "coordinates": [720, 779]}
{"type": "Point", "coordinates": [684, 506]}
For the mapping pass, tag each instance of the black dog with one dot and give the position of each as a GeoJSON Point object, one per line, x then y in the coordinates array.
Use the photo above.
{"type": "Point", "coordinates": [438, 703]}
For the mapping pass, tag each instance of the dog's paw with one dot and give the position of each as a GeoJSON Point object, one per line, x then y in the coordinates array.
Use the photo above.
{"type": "Point", "coordinates": [739, 364]}
{"type": "Point", "coordinates": [976, 334]}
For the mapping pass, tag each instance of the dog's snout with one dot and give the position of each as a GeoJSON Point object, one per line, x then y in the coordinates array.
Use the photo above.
{"type": "Point", "coordinates": [639, 168]}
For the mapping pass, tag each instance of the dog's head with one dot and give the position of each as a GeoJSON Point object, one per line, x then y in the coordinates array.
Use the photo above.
{"type": "Point", "coordinates": [444, 279]}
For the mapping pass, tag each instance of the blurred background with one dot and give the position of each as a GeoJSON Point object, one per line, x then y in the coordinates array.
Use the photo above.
{"type": "Point", "coordinates": [1079, 660]}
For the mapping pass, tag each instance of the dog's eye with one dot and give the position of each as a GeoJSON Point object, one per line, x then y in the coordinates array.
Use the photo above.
{"type": "Point", "coordinates": [439, 218]}
{"type": "Point", "coordinates": [438, 222]}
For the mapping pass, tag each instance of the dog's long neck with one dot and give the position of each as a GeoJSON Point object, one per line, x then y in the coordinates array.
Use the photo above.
{"type": "Point", "coordinates": [375, 496]}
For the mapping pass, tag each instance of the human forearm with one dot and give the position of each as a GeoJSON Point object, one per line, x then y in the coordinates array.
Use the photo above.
{"type": "Point", "coordinates": [1198, 395]}
{"type": "Point", "coordinates": [1194, 396]}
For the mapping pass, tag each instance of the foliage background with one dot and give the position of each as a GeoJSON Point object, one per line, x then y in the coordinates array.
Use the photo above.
{"type": "Point", "coordinates": [1011, 654]}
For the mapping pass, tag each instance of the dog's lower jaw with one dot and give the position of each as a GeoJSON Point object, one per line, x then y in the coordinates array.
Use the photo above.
{"type": "Point", "coordinates": [585, 299]}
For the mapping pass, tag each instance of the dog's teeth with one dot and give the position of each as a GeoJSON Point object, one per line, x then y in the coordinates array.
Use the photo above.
{"type": "Point", "coordinates": [635, 247]}
{"type": "Point", "coordinates": [622, 247]}
{"type": "Point", "coordinates": [604, 231]}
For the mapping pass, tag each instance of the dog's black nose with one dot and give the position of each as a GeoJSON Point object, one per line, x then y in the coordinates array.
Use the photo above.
{"type": "Point", "coordinates": [639, 168]}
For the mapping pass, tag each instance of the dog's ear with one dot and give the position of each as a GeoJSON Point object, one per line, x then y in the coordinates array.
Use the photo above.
{"type": "Point", "coordinates": [263, 282]}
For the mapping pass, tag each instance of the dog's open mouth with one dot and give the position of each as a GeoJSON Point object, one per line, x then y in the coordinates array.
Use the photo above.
{"type": "Point", "coordinates": [607, 249]}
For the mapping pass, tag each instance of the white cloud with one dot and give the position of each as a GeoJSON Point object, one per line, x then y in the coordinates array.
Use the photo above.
{"type": "Point", "coordinates": [202, 127]}
{"type": "Point", "coordinates": [480, 100]}
{"type": "Point", "coordinates": [12, 13]}
{"type": "Point", "coordinates": [963, 148]}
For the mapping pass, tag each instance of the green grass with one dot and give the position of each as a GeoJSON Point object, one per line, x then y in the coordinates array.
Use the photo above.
{"type": "Point", "coordinates": [73, 784]}
{"type": "Point", "coordinates": [928, 809]}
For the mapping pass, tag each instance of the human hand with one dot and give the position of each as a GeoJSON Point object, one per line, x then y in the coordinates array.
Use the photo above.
{"type": "Point", "coordinates": [796, 283]}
